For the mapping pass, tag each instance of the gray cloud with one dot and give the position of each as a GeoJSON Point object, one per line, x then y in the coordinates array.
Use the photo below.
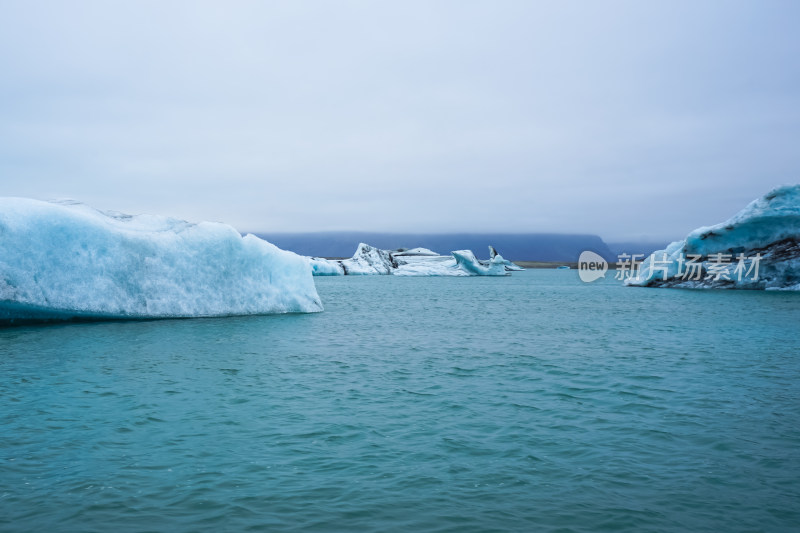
{"type": "Point", "coordinates": [628, 119]}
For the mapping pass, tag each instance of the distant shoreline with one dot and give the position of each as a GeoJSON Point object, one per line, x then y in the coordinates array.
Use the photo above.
{"type": "Point", "coordinates": [553, 264]}
{"type": "Point", "coordinates": [544, 264]}
{"type": "Point", "coordinates": [523, 264]}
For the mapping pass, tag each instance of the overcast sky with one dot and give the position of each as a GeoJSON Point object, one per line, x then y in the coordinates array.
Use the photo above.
{"type": "Point", "coordinates": [632, 120]}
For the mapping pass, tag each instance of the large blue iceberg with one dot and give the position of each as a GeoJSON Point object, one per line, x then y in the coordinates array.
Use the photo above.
{"type": "Point", "coordinates": [66, 261]}
{"type": "Point", "coordinates": [368, 260]}
{"type": "Point", "coordinates": [758, 248]}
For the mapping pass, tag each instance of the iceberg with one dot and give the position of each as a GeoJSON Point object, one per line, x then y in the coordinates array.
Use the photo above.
{"type": "Point", "coordinates": [65, 260]}
{"type": "Point", "coordinates": [368, 260]}
{"type": "Point", "coordinates": [758, 248]}
{"type": "Point", "coordinates": [511, 267]}
{"type": "Point", "coordinates": [324, 267]}
{"type": "Point", "coordinates": [466, 261]}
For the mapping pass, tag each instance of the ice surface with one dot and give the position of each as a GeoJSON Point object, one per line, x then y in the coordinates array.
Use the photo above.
{"type": "Point", "coordinates": [64, 260]}
{"type": "Point", "coordinates": [415, 252]}
{"type": "Point", "coordinates": [768, 227]}
{"type": "Point", "coordinates": [323, 267]}
{"type": "Point", "coordinates": [511, 267]}
{"type": "Point", "coordinates": [467, 261]}
{"type": "Point", "coordinates": [428, 265]}
{"type": "Point", "coordinates": [369, 260]}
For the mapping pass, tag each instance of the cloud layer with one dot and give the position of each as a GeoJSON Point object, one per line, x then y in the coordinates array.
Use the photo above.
{"type": "Point", "coordinates": [627, 119]}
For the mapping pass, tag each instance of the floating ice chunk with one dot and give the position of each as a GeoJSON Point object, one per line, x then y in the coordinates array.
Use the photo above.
{"type": "Point", "coordinates": [466, 261]}
{"type": "Point", "coordinates": [369, 260]}
{"type": "Point", "coordinates": [323, 267]}
{"type": "Point", "coordinates": [428, 265]}
{"type": "Point", "coordinates": [762, 241]}
{"type": "Point", "coordinates": [511, 267]}
{"type": "Point", "coordinates": [772, 218]}
{"type": "Point", "coordinates": [67, 260]}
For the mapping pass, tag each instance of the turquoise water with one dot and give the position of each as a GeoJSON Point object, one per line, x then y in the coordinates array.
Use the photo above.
{"type": "Point", "coordinates": [527, 403]}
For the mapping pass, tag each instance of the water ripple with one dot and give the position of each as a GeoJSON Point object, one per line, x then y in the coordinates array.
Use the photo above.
{"type": "Point", "coordinates": [414, 405]}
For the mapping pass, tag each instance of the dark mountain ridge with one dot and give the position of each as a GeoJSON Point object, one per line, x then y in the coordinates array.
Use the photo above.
{"type": "Point", "coordinates": [512, 246]}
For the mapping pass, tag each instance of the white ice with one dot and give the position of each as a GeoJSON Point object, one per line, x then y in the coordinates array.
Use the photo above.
{"type": "Point", "coordinates": [63, 260]}
{"type": "Point", "coordinates": [369, 260]}
{"type": "Point", "coordinates": [768, 226]}
{"type": "Point", "coordinates": [466, 261]}
{"type": "Point", "coordinates": [323, 267]}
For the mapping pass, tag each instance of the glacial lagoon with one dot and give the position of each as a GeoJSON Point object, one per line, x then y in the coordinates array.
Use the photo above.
{"type": "Point", "coordinates": [531, 402]}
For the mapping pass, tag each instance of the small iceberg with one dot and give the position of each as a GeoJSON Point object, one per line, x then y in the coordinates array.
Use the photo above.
{"type": "Point", "coordinates": [510, 267]}
{"type": "Point", "coordinates": [466, 261]}
{"type": "Point", "coordinates": [369, 260]}
{"type": "Point", "coordinates": [758, 248]}
{"type": "Point", "coordinates": [65, 260]}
